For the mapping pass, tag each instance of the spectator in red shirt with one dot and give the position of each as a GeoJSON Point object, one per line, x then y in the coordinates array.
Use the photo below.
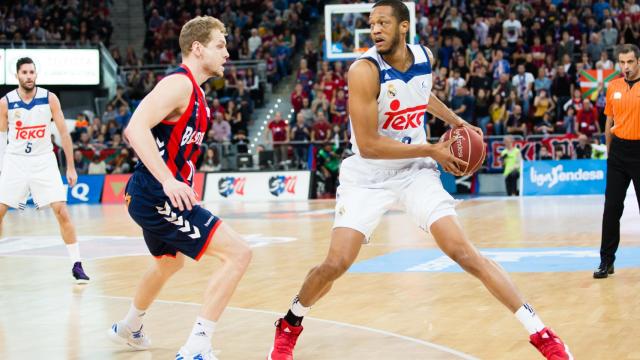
{"type": "Point", "coordinates": [328, 85]}
{"type": "Point", "coordinates": [297, 97]}
{"type": "Point", "coordinates": [538, 52]}
{"type": "Point", "coordinates": [321, 130]}
{"type": "Point", "coordinates": [587, 119]}
{"type": "Point", "coordinates": [339, 108]}
{"type": "Point", "coordinates": [278, 134]}
{"type": "Point", "coordinates": [339, 79]}
{"type": "Point", "coordinates": [324, 69]}
{"type": "Point", "coordinates": [216, 107]}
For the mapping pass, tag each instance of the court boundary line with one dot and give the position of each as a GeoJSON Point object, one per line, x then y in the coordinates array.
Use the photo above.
{"type": "Point", "coordinates": [333, 322]}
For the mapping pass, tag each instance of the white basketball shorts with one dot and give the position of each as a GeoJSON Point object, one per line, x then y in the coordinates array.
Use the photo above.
{"type": "Point", "coordinates": [367, 192]}
{"type": "Point", "coordinates": [38, 174]}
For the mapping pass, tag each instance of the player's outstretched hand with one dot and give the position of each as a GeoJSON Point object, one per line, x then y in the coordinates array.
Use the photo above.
{"type": "Point", "coordinates": [181, 195]}
{"type": "Point", "coordinates": [72, 177]}
{"type": "Point", "coordinates": [443, 155]}
{"type": "Point", "coordinates": [472, 128]}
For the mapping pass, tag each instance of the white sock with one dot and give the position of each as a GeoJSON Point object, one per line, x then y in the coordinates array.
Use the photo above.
{"type": "Point", "coordinates": [297, 309]}
{"type": "Point", "coordinates": [200, 338]}
{"type": "Point", "coordinates": [529, 319]}
{"type": "Point", "coordinates": [74, 252]}
{"type": "Point", "coordinates": [134, 318]}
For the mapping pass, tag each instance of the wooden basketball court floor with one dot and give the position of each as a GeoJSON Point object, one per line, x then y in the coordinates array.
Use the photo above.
{"type": "Point", "coordinates": [400, 301]}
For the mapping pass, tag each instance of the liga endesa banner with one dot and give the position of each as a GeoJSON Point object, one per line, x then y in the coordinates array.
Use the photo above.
{"type": "Point", "coordinates": [565, 177]}
{"type": "Point", "coordinates": [114, 186]}
{"type": "Point", "coordinates": [258, 186]}
{"type": "Point", "coordinates": [528, 148]}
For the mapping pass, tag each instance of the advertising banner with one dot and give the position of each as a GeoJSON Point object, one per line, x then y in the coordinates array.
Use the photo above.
{"type": "Point", "coordinates": [113, 192]}
{"type": "Point", "coordinates": [56, 66]}
{"type": "Point", "coordinates": [258, 186]}
{"type": "Point", "coordinates": [198, 185]}
{"type": "Point", "coordinates": [529, 148]}
{"type": "Point", "coordinates": [565, 177]}
{"type": "Point", "coordinates": [114, 186]}
{"type": "Point", "coordinates": [86, 191]}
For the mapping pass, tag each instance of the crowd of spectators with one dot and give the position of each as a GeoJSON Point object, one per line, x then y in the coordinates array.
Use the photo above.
{"type": "Point", "coordinates": [514, 67]}
{"type": "Point", "coordinates": [268, 31]}
{"type": "Point", "coordinates": [77, 23]}
{"type": "Point", "coordinates": [257, 30]}
{"type": "Point", "coordinates": [510, 67]}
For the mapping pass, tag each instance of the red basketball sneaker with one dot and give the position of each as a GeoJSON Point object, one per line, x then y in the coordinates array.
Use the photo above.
{"type": "Point", "coordinates": [285, 341]}
{"type": "Point", "coordinates": [550, 345]}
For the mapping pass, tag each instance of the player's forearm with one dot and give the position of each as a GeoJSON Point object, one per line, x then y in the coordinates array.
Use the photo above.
{"type": "Point", "coordinates": [383, 147]}
{"type": "Point", "coordinates": [141, 140]}
{"type": "Point", "coordinates": [441, 111]}
{"type": "Point", "coordinates": [460, 110]}
{"type": "Point", "coordinates": [607, 131]}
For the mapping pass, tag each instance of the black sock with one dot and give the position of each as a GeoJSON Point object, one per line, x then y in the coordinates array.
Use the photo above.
{"type": "Point", "coordinates": [292, 319]}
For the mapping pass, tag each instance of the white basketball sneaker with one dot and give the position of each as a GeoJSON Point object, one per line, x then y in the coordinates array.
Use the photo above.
{"type": "Point", "coordinates": [183, 354]}
{"type": "Point", "coordinates": [121, 334]}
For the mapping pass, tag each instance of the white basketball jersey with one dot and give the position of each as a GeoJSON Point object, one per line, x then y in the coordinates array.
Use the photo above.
{"type": "Point", "coordinates": [29, 132]}
{"type": "Point", "coordinates": [402, 102]}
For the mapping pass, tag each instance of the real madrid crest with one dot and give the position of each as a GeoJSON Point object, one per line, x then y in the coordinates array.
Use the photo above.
{"type": "Point", "coordinates": [18, 114]}
{"type": "Point", "coordinates": [391, 91]}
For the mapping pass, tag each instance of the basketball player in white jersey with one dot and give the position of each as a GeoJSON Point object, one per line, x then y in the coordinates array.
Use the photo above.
{"type": "Point", "coordinates": [27, 161]}
{"type": "Point", "coordinates": [389, 92]}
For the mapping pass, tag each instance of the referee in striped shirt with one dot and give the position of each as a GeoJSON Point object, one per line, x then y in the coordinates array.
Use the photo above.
{"type": "Point", "coordinates": [623, 141]}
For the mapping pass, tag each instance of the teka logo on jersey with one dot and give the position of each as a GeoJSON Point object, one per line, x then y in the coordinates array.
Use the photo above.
{"type": "Point", "coordinates": [30, 132]}
{"type": "Point", "coordinates": [405, 118]}
{"type": "Point", "coordinates": [278, 184]}
{"type": "Point", "coordinates": [192, 137]}
{"type": "Point", "coordinates": [229, 185]}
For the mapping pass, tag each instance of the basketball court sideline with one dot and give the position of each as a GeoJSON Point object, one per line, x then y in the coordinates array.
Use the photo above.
{"type": "Point", "coordinates": [402, 299]}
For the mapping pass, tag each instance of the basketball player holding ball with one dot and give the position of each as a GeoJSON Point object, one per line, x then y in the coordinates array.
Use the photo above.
{"type": "Point", "coordinates": [389, 90]}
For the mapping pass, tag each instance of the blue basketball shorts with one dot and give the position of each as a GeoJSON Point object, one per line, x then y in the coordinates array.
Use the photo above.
{"type": "Point", "coordinates": [166, 229]}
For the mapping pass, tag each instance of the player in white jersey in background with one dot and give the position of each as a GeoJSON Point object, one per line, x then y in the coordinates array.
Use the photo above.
{"type": "Point", "coordinates": [27, 161]}
{"type": "Point", "coordinates": [389, 92]}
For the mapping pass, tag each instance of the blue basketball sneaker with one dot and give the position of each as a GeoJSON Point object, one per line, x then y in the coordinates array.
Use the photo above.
{"type": "Point", "coordinates": [121, 334]}
{"type": "Point", "coordinates": [78, 273]}
{"type": "Point", "coordinates": [183, 354]}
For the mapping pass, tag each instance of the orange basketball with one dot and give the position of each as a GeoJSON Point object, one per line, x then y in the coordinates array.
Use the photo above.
{"type": "Point", "coordinates": [468, 147]}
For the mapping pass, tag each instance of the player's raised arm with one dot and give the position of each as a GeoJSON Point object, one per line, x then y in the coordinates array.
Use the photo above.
{"type": "Point", "coordinates": [4, 127]}
{"type": "Point", "coordinates": [170, 97]}
{"type": "Point", "coordinates": [65, 138]}
{"type": "Point", "coordinates": [363, 110]}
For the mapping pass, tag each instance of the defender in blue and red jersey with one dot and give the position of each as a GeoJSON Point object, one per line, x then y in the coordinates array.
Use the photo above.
{"type": "Point", "coordinates": [166, 132]}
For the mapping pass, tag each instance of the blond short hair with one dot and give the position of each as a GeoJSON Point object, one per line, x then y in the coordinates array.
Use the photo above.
{"type": "Point", "coordinates": [199, 29]}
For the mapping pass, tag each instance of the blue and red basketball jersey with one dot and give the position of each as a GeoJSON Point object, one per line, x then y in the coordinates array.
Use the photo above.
{"type": "Point", "coordinates": [168, 230]}
{"type": "Point", "coordinates": [179, 142]}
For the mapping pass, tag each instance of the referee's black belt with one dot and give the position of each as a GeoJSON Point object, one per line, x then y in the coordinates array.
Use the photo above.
{"type": "Point", "coordinates": [624, 141]}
